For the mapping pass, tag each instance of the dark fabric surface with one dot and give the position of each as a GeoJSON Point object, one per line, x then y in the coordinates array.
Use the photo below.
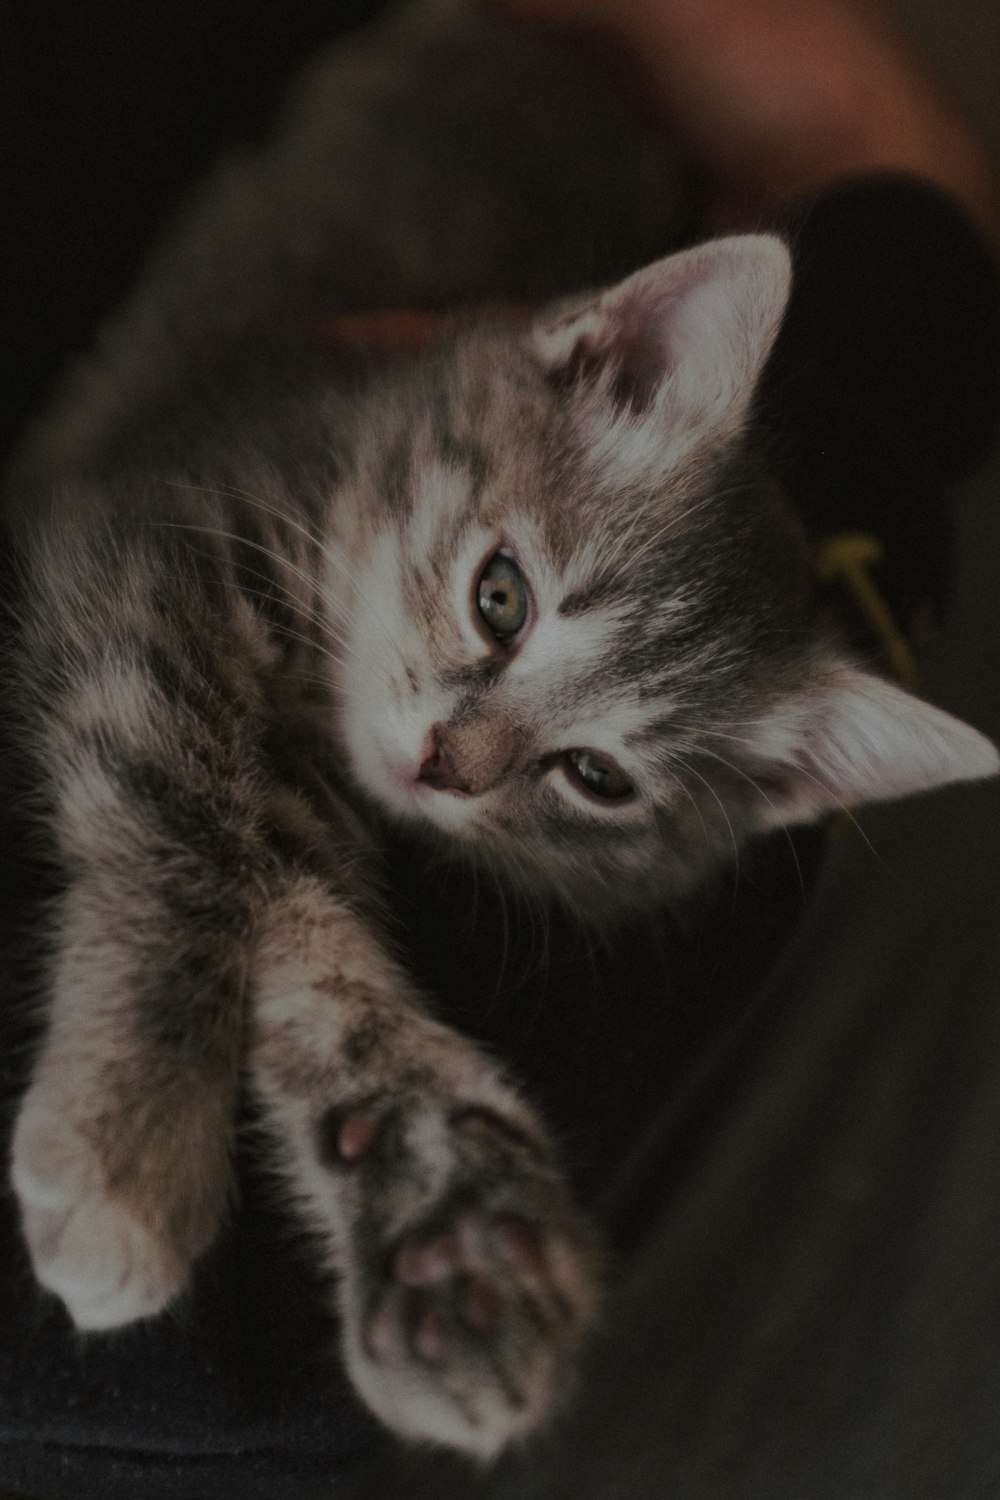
{"type": "Point", "coordinates": [108, 114]}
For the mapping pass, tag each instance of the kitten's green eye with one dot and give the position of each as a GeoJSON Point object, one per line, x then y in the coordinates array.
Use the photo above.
{"type": "Point", "coordinates": [600, 777]}
{"type": "Point", "coordinates": [503, 596]}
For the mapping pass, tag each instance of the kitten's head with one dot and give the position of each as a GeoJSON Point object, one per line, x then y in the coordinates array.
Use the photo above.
{"type": "Point", "coordinates": [580, 638]}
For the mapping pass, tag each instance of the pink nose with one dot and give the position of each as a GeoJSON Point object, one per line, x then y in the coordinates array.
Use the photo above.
{"type": "Point", "coordinates": [440, 768]}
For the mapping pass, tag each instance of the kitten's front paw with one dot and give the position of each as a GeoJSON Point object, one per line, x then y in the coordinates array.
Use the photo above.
{"type": "Point", "coordinates": [107, 1267]}
{"type": "Point", "coordinates": [470, 1279]}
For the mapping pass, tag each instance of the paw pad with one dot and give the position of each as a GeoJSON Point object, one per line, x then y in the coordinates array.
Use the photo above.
{"type": "Point", "coordinates": [347, 1135]}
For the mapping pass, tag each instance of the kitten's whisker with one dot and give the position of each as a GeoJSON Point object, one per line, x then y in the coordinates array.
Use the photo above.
{"type": "Point", "coordinates": [309, 614]}
{"type": "Point", "coordinates": [232, 492]}
{"type": "Point", "coordinates": [234, 536]}
{"type": "Point", "coordinates": [543, 921]}
{"type": "Point", "coordinates": [474, 874]}
{"type": "Point", "coordinates": [651, 542]}
{"type": "Point", "coordinates": [285, 630]}
{"type": "Point", "coordinates": [761, 793]}
{"type": "Point", "coordinates": [313, 537]}
{"type": "Point", "coordinates": [678, 781]}
{"type": "Point", "coordinates": [486, 861]}
{"type": "Point", "coordinates": [505, 949]}
{"type": "Point", "coordinates": [835, 802]}
{"type": "Point", "coordinates": [274, 557]}
{"type": "Point", "coordinates": [722, 808]}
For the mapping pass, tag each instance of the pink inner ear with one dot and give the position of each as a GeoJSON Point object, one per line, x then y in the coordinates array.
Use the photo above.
{"type": "Point", "coordinates": [675, 351]}
{"type": "Point", "coordinates": [857, 738]}
{"type": "Point", "coordinates": [630, 352]}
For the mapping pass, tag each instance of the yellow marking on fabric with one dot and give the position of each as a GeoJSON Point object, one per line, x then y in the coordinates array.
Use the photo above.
{"type": "Point", "coordinates": [848, 559]}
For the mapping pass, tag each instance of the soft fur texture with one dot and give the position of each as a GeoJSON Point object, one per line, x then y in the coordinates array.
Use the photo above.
{"type": "Point", "coordinates": [251, 632]}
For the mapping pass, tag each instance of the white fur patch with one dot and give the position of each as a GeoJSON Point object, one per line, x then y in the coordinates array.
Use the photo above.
{"type": "Point", "coordinates": [858, 738]}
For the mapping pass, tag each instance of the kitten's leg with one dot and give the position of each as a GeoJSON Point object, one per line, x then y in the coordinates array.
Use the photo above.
{"type": "Point", "coordinates": [121, 1149]}
{"type": "Point", "coordinates": [466, 1277]}
{"type": "Point", "coordinates": [120, 1157]}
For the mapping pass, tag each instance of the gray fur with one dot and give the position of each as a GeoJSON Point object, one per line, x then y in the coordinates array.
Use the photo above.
{"type": "Point", "coordinates": [248, 598]}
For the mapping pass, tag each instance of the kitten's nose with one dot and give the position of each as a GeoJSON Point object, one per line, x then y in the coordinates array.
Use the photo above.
{"type": "Point", "coordinates": [440, 769]}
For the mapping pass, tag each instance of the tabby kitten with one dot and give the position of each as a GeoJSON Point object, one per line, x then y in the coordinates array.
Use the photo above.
{"type": "Point", "coordinates": [531, 593]}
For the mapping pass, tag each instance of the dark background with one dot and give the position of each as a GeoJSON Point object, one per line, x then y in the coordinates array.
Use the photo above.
{"type": "Point", "coordinates": [109, 110]}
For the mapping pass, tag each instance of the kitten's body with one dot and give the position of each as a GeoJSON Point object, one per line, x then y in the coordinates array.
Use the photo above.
{"type": "Point", "coordinates": [252, 629]}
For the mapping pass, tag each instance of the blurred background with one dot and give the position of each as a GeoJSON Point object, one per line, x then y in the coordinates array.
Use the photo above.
{"type": "Point", "coordinates": [109, 109]}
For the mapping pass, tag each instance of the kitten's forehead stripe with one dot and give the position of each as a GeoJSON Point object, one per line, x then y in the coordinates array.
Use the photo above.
{"type": "Point", "coordinates": [452, 432]}
{"type": "Point", "coordinates": [476, 678]}
{"type": "Point", "coordinates": [469, 459]}
{"type": "Point", "coordinates": [588, 596]}
{"type": "Point", "coordinates": [395, 474]}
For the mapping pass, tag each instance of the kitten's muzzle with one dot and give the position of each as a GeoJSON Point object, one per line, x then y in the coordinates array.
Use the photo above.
{"type": "Point", "coordinates": [441, 767]}
{"type": "Point", "coordinates": [467, 760]}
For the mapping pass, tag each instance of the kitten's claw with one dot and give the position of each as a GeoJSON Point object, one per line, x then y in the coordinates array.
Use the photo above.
{"type": "Point", "coordinates": [463, 1325]}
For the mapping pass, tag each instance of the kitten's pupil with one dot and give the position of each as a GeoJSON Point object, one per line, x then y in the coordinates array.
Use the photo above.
{"type": "Point", "coordinates": [503, 596]}
{"type": "Point", "coordinates": [598, 776]}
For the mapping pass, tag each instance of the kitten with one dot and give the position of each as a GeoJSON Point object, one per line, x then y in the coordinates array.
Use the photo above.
{"type": "Point", "coordinates": [531, 593]}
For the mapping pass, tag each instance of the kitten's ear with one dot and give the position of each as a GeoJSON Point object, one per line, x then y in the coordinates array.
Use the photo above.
{"type": "Point", "coordinates": [860, 739]}
{"type": "Point", "coordinates": [680, 345]}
